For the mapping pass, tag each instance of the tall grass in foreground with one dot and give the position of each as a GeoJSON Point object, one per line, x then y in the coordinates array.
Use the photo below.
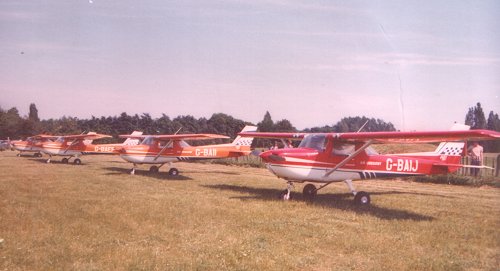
{"type": "Point", "coordinates": [214, 217]}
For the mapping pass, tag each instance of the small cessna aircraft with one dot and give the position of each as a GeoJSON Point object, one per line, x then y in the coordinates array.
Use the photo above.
{"type": "Point", "coordinates": [76, 145]}
{"type": "Point", "coordinates": [165, 149]}
{"type": "Point", "coordinates": [31, 144]}
{"type": "Point", "coordinates": [326, 158]}
{"type": "Point", "coordinates": [5, 144]}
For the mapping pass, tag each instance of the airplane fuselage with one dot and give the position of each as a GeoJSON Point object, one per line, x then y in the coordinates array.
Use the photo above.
{"type": "Point", "coordinates": [312, 166]}
{"type": "Point", "coordinates": [67, 149]}
{"type": "Point", "coordinates": [152, 154]}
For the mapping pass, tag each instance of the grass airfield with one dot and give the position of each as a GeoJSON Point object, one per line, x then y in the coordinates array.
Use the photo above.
{"type": "Point", "coordinates": [215, 217]}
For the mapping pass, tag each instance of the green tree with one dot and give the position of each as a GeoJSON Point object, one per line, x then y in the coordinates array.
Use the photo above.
{"type": "Point", "coordinates": [11, 124]}
{"type": "Point", "coordinates": [284, 125]}
{"type": "Point", "coordinates": [267, 124]}
{"type": "Point", "coordinates": [494, 125]}
{"type": "Point", "coordinates": [33, 115]}
{"type": "Point", "coordinates": [475, 117]}
{"type": "Point", "coordinates": [493, 122]}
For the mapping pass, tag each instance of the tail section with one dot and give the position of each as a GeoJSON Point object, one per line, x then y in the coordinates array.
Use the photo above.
{"type": "Point", "coordinates": [450, 153]}
{"type": "Point", "coordinates": [452, 148]}
{"type": "Point", "coordinates": [245, 141]}
{"type": "Point", "coordinates": [132, 141]}
{"type": "Point", "coordinates": [89, 141]}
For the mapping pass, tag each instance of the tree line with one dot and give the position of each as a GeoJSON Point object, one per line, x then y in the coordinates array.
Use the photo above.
{"type": "Point", "coordinates": [14, 126]}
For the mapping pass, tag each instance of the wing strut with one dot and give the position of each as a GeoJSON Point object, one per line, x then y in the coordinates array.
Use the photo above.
{"type": "Point", "coordinates": [348, 158]}
{"type": "Point", "coordinates": [163, 149]}
{"type": "Point", "coordinates": [73, 143]}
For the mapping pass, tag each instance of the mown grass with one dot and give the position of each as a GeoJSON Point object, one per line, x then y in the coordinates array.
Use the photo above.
{"type": "Point", "coordinates": [217, 217]}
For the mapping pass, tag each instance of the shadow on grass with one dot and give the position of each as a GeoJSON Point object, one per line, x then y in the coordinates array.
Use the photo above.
{"type": "Point", "coordinates": [43, 160]}
{"type": "Point", "coordinates": [160, 175]}
{"type": "Point", "coordinates": [338, 201]}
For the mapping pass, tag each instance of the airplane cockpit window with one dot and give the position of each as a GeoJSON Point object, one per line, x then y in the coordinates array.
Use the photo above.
{"type": "Point", "coordinates": [343, 148]}
{"type": "Point", "coordinates": [314, 141]}
{"type": "Point", "coordinates": [371, 151]}
{"type": "Point", "coordinates": [184, 144]}
{"type": "Point", "coordinates": [60, 140]}
{"type": "Point", "coordinates": [168, 144]}
{"type": "Point", "coordinates": [148, 141]}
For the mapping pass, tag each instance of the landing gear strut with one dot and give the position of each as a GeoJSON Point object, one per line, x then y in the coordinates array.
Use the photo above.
{"type": "Point", "coordinates": [156, 169]}
{"type": "Point", "coordinates": [361, 197]}
{"type": "Point", "coordinates": [310, 191]}
{"type": "Point", "coordinates": [285, 195]}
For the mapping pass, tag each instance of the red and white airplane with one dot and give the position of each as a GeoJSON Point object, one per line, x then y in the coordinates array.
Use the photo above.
{"type": "Point", "coordinates": [76, 145]}
{"type": "Point", "coordinates": [326, 158]}
{"type": "Point", "coordinates": [166, 149]}
{"type": "Point", "coordinates": [31, 144]}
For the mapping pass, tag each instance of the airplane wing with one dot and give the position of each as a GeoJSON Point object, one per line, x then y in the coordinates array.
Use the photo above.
{"type": "Point", "coordinates": [43, 136]}
{"type": "Point", "coordinates": [89, 136]}
{"type": "Point", "coordinates": [177, 136]}
{"type": "Point", "coordinates": [418, 137]}
{"type": "Point", "coordinates": [291, 136]}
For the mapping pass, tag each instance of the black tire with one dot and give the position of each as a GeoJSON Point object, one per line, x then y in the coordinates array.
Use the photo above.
{"type": "Point", "coordinates": [309, 192]}
{"type": "Point", "coordinates": [154, 169]}
{"type": "Point", "coordinates": [362, 198]}
{"type": "Point", "coordinates": [64, 160]}
{"type": "Point", "coordinates": [77, 161]}
{"type": "Point", "coordinates": [173, 172]}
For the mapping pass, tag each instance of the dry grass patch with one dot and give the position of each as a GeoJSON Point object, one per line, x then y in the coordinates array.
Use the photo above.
{"type": "Point", "coordinates": [98, 217]}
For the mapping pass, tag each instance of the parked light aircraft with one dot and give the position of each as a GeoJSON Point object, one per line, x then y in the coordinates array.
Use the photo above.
{"type": "Point", "coordinates": [326, 158]}
{"type": "Point", "coordinates": [31, 144]}
{"type": "Point", "coordinates": [166, 149]}
{"type": "Point", "coordinates": [76, 145]}
{"type": "Point", "coordinates": [5, 145]}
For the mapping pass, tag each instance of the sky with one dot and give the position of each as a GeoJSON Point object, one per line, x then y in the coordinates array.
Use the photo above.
{"type": "Point", "coordinates": [417, 64]}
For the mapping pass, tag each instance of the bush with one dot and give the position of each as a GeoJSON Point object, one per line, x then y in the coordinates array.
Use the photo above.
{"type": "Point", "coordinates": [451, 179]}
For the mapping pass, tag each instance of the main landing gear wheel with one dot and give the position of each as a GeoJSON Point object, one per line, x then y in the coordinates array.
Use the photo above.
{"type": "Point", "coordinates": [37, 154]}
{"type": "Point", "coordinates": [77, 161]}
{"type": "Point", "coordinates": [18, 155]}
{"type": "Point", "coordinates": [64, 160]}
{"type": "Point", "coordinates": [173, 172]}
{"type": "Point", "coordinates": [153, 169]}
{"type": "Point", "coordinates": [362, 198]}
{"type": "Point", "coordinates": [309, 192]}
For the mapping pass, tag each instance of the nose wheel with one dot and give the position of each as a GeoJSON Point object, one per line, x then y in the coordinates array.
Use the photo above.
{"type": "Point", "coordinates": [286, 194]}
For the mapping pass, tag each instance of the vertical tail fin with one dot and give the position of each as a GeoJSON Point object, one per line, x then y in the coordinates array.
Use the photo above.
{"type": "Point", "coordinates": [245, 141]}
{"type": "Point", "coordinates": [132, 141]}
{"type": "Point", "coordinates": [452, 148]}
{"type": "Point", "coordinates": [89, 141]}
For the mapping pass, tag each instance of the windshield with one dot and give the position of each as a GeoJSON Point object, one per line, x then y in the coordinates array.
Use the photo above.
{"type": "Point", "coordinates": [147, 141]}
{"type": "Point", "coordinates": [314, 141]}
{"type": "Point", "coordinates": [343, 148]}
